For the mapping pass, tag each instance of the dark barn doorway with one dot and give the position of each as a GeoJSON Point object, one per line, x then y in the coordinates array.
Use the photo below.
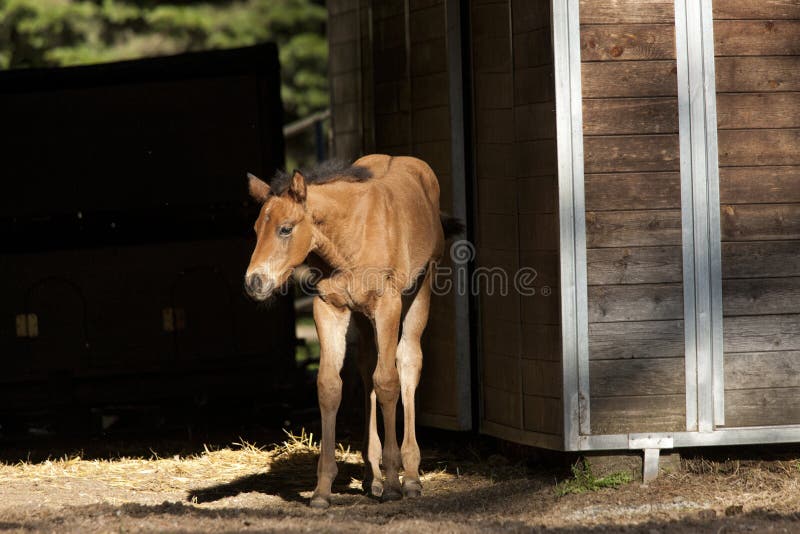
{"type": "Point", "coordinates": [125, 228]}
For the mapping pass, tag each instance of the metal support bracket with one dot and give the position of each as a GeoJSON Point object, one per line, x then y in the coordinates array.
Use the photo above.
{"type": "Point", "coordinates": [650, 467]}
{"type": "Point", "coordinates": [651, 445]}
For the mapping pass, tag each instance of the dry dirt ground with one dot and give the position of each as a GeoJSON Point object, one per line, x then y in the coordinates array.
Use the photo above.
{"type": "Point", "coordinates": [243, 488]}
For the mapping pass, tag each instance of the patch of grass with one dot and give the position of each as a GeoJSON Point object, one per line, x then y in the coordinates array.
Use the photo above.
{"type": "Point", "coordinates": [305, 321]}
{"type": "Point", "coordinates": [307, 353]}
{"type": "Point", "coordinates": [583, 480]}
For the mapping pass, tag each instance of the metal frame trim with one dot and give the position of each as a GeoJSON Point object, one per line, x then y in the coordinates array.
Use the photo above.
{"type": "Point", "coordinates": [714, 231]}
{"type": "Point", "coordinates": [700, 215]}
{"type": "Point", "coordinates": [579, 203]}
{"type": "Point", "coordinates": [459, 178]}
{"type": "Point", "coordinates": [727, 436]}
{"type": "Point", "coordinates": [572, 226]}
{"type": "Point", "coordinates": [687, 216]}
{"type": "Point", "coordinates": [705, 403]}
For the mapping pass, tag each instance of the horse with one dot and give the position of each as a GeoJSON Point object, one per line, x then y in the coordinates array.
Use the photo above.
{"type": "Point", "coordinates": [376, 226]}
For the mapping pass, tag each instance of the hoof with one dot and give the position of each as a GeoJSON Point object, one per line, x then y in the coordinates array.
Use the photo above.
{"type": "Point", "coordinates": [412, 489]}
{"type": "Point", "coordinates": [391, 494]}
{"type": "Point", "coordinates": [320, 503]}
{"type": "Point", "coordinates": [376, 489]}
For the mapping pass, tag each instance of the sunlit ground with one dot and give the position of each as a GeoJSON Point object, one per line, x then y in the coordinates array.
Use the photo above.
{"type": "Point", "coordinates": [467, 487]}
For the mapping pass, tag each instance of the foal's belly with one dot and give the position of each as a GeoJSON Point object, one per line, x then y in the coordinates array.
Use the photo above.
{"type": "Point", "coordinates": [360, 289]}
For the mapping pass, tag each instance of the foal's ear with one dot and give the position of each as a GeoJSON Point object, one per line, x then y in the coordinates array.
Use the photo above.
{"type": "Point", "coordinates": [257, 187]}
{"type": "Point", "coordinates": [297, 189]}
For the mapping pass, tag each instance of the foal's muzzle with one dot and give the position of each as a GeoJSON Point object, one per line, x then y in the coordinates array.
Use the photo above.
{"type": "Point", "coordinates": [257, 286]}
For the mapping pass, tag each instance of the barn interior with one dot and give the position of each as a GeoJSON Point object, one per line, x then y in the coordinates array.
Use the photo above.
{"type": "Point", "coordinates": [126, 227]}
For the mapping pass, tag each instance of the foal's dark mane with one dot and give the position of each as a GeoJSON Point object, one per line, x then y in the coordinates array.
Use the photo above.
{"type": "Point", "coordinates": [333, 170]}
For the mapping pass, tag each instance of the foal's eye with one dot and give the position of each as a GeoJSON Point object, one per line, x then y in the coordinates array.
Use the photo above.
{"type": "Point", "coordinates": [284, 231]}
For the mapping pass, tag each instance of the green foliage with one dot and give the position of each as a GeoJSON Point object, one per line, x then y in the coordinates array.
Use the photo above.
{"type": "Point", "coordinates": [44, 33]}
{"type": "Point", "coordinates": [583, 480]}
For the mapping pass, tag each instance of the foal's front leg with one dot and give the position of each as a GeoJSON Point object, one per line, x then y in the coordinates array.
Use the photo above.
{"type": "Point", "coordinates": [332, 325]}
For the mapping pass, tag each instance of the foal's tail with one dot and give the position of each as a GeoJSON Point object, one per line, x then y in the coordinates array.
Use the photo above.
{"type": "Point", "coordinates": [452, 226]}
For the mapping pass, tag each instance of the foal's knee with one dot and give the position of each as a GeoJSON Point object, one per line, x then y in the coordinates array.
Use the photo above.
{"type": "Point", "coordinates": [386, 383]}
{"type": "Point", "coordinates": [329, 390]}
{"type": "Point", "coordinates": [409, 358]}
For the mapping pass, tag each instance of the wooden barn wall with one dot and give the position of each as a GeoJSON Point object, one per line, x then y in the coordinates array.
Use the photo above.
{"type": "Point", "coordinates": [349, 72]}
{"type": "Point", "coordinates": [514, 141]}
{"type": "Point", "coordinates": [757, 48]}
{"type": "Point", "coordinates": [390, 94]}
{"type": "Point", "coordinates": [633, 216]}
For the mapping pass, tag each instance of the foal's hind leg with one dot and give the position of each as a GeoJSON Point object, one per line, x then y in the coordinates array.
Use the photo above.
{"type": "Point", "coordinates": [387, 387]}
{"type": "Point", "coordinates": [409, 365]}
{"type": "Point", "coordinates": [371, 453]}
{"type": "Point", "coordinates": [332, 325]}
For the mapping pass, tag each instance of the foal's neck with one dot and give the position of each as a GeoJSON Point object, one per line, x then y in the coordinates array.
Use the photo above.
{"type": "Point", "coordinates": [330, 213]}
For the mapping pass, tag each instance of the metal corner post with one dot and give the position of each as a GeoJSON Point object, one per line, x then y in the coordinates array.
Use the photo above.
{"type": "Point", "coordinates": [700, 215]}
{"type": "Point", "coordinates": [572, 220]}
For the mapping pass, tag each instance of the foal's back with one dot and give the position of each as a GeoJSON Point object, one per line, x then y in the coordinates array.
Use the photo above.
{"type": "Point", "coordinates": [405, 175]}
{"type": "Point", "coordinates": [403, 201]}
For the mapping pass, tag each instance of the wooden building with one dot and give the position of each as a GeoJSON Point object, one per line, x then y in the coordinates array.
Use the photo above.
{"type": "Point", "coordinates": [643, 156]}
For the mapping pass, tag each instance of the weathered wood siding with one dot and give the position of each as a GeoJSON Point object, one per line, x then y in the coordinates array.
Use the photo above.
{"type": "Point", "coordinates": [514, 115]}
{"type": "Point", "coordinates": [757, 47]}
{"type": "Point", "coordinates": [348, 68]}
{"type": "Point", "coordinates": [423, 99]}
{"type": "Point", "coordinates": [390, 95]}
{"type": "Point", "coordinates": [633, 217]}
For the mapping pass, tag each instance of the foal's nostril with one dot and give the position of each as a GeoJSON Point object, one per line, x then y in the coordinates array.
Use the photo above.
{"type": "Point", "coordinates": [254, 283]}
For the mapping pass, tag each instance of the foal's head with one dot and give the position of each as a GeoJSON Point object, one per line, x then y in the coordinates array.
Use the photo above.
{"type": "Point", "coordinates": [284, 235]}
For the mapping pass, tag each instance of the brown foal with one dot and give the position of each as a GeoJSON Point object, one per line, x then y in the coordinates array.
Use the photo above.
{"type": "Point", "coordinates": [376, 225]}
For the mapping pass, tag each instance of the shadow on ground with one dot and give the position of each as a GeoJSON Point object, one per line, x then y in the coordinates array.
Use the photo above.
{"type": "Point", "coordinates": [287, 477]}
